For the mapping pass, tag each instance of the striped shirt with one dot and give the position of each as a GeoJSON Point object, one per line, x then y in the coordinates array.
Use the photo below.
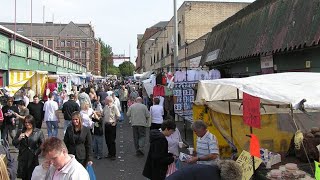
{"type": "Point", "coordinates": [206, 145]}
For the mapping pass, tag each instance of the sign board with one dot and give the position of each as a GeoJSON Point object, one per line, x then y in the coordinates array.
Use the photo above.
{"type": "Point", "coordinates": [4, 44]}
{"type": "Point", "coordinates": [251, 110]}
{"type": "Point", "coordinates": [266, 62]}
{"type": "Point", "coordinates": [194, 62]}
{"type": "Point", "coordinates": [183, 93]}
{"type": "Point", "coordinates": [245, 161]}
{"type": "Point", "coordinates": [213, 55]}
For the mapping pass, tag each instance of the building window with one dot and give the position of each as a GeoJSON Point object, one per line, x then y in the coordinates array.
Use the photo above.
{"type": "Point", "coordinates": [76, 54]}
{"type": "Point", "coordinates": [168, 48]}
{"type": "Point", "coordinates": [62, 43]}
{"type": "Point", "coordinates": [68, 54]}
{"type": "Point", "coordinates": [179, 40]}
{"type": "Point", "coordinates": [83, 44]}
{"type": "Point", "coordinates": [68, 43]}
{"type": "Point", "coordinates": [83, 54]}
{"type": "Point", "coordinates": [151, 61]}
{"type": "Point", "coordinates": [20, 30]}
{"type": "Point", "coordinates": [41, 42]}
{"type": "Point", "coordinates": [50, 43]}
{"type": "Point", "coordinates": [63, 52]}
{"type": "Point", "coordinates": [161, 53]}
{"type": "Point", "coordinates": [77, 44]}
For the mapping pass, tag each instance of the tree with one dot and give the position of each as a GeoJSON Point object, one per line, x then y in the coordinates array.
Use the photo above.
{"type": "Point", "coordinates": [106, 57]}
{"type": "Point", "coordinates": [126, 68]}
{"type": "Point", "coordinates": [113, 70]}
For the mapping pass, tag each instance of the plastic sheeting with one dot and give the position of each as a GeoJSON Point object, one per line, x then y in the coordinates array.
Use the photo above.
{"type": "Point", "coordinates": [279, 88]}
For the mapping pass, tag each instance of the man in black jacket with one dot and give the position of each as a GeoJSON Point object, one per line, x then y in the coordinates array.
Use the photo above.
{"type": "Point", "coordinates": [158, 159]}
{"type": "Point", "coordinates": [36, 110]}
{"type": "Point", "coordinates": [9, 122]}
{"type": "Point", "coordinates": [68, 108]}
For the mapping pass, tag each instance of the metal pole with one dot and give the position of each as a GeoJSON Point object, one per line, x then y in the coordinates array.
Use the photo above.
{"type": "Point", "coordinates": [176, 53]}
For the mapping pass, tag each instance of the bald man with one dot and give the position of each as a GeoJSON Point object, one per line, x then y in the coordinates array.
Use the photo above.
{"type": "Point", "coordinates": [139, 115]}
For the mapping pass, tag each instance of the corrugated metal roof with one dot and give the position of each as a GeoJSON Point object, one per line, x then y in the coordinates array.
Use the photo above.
{"type": "Point", "coordinates": [265, 26]}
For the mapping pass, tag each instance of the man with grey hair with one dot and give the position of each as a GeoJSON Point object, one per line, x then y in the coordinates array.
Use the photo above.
{"type": "Point", "coordinates": [224, 170]}
{"type": "Point", "coordinates": [110, 115]}
{"type": "Point", "coordinates": [139, 116]}
{"type": "Point", "coordinates": [207, 145]}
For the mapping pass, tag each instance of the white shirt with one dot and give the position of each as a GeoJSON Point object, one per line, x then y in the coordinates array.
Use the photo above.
{"type": "Point", "coordinates": [191, 75]}
{"type": "Point", "coordinates": [156, 112]}
{"type": "Point", "coordinates": [161, 100]}
{"type": "Point", "coordinates": [203, 75]}
{"type": "Point", "coordinates": [31, 94]}
{"type": "Point", "coordinates": [109, 93]}
{"type": "Point", "coordinates": [117, 103]}
{"type": "Point", "coordinates": [180, 76]}
{"type": "Point", "coordinates": [26, 100]}
{"type": "Point", "coordinates": [50, 108]}
{"type": "Point", "coordinates": [86, 117]}
{"type": "Point", "coordinates": [214, 74]}
{"type": "Point", "coordinates": [173, 142]}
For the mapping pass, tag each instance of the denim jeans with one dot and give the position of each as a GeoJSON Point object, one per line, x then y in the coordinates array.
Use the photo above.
{"type": "Point", "coordinates": [52, 127]}
{"type": "Point", "coordinates": [65, 126]}
{"type": "Point", "coordinates": [98, 145]}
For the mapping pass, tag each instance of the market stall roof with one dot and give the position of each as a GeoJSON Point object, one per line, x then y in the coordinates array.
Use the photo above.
{"type": "Point", "coordinates": [279, 88]}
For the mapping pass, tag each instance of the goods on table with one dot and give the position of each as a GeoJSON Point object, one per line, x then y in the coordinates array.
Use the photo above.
{"type": "Point", "coordinates": [289, 171]}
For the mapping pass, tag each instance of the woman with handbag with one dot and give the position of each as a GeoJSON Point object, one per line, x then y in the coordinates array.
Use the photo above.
{"type": "Point", "coordinates": [78, 140]}
{"type": "Point", "coordinates": [28, 141]}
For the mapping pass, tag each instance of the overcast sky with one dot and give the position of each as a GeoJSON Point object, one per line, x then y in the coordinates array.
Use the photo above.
{"type": "Point", "coordinates": [116, 22]}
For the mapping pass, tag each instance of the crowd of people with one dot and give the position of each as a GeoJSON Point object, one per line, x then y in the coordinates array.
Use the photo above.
{"type": "Point", "coordinates": [91, 115]}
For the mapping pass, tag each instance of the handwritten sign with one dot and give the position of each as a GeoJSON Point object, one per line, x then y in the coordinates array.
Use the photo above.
{"type": "Point", "coordinates": [251, 110]}
{"type": "Point", "coordinates": [317, 173]}
{"type": "Point", "coordinates": [245, 161]}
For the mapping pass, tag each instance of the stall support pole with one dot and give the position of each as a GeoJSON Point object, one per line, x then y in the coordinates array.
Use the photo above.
{"type": "Point", "coordinates": [230, 121]}
{"type": "Point", "coordinates": [253, 163]}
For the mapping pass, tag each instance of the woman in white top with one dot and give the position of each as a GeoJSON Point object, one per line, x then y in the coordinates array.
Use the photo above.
{"type": "Point", "coordinates": [173, 142]}
{"type": "Point", "coordinates": [156, 112]}
{"type": "Point", "coordinates": [86, 114]}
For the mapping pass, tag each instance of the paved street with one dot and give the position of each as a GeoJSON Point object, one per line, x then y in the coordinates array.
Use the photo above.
{"type": "Point", "coordinates": [127, 166]}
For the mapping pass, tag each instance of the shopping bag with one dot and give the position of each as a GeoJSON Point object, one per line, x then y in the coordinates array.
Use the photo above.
{"type": "Point", "coordinates": [171, 169]}
{"type": "Point", "coordinates": [91, 172]}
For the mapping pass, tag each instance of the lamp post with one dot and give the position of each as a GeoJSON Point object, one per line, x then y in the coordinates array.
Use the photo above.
{"type": "Point", "coordinates": [175, 62]}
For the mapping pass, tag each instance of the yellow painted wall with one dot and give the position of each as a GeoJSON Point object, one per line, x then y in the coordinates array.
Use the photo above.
{"type": "Point", "coordinates": [269, 135]}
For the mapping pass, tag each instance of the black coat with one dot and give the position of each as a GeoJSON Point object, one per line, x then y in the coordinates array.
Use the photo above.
{"type": "Point", "coordinates": [36, 110]}
{"type": "Point", "coordinates": [158, 157]}
{"type": "Point", "coordinates": [80, 147]}
{"type": "Point", "coordinates": [68, 108]}
{"type": "Point", "coordinates": [29, 150]}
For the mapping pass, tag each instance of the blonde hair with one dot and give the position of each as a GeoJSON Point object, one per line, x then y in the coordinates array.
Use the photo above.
{"type": "Point", "coordinates": [83, 104]}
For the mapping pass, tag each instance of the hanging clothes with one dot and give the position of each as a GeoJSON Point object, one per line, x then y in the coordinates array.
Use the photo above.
{"type": "Point", "coordinates": [158, 91]}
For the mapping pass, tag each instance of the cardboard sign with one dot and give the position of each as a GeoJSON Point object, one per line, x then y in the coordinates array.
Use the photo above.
{"type": "Point", "coordinates": [317, 173]}
{"type": "Point", "coordinates": [251, 110]}
{"type": "Point", "coordinates": [245, 161]}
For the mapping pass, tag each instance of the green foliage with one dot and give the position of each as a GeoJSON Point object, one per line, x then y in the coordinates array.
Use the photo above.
{"type": "Point", "coordinates": [106, 57]}
{"type": "Point", "coordinates": [113, 70]}
{"type": "Point", "coordinates": [126, 68]}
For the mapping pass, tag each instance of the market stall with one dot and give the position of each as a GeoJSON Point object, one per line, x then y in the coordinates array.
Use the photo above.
{"type": "Point", "coordinates": [286, 100]}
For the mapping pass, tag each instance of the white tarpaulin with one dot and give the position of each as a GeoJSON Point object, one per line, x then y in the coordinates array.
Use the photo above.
{"type": "Point", "coordinates": [280, 88]}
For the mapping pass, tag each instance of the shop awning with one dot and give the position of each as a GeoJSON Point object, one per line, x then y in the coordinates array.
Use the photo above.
{"type": "Point", "coordinates": [18, 79]}
{"type": "Point", "coordinates": [36, 80]}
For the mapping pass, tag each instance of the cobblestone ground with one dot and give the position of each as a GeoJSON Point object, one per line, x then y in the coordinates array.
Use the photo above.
{"type": "Point", "coordinates": [127, 166]}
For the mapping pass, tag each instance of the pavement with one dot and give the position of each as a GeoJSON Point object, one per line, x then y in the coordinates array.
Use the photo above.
{"type": "Point", "coordinates": [127, 165]}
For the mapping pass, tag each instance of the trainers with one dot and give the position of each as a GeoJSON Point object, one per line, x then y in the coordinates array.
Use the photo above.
{"type": "Point", "coordinates": [112, 158]}
{"type": "Point", "coordinates": [98, 157]}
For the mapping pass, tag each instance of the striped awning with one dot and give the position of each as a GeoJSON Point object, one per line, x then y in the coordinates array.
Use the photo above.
{"type": "Point", "coordinates": [36, 80]}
